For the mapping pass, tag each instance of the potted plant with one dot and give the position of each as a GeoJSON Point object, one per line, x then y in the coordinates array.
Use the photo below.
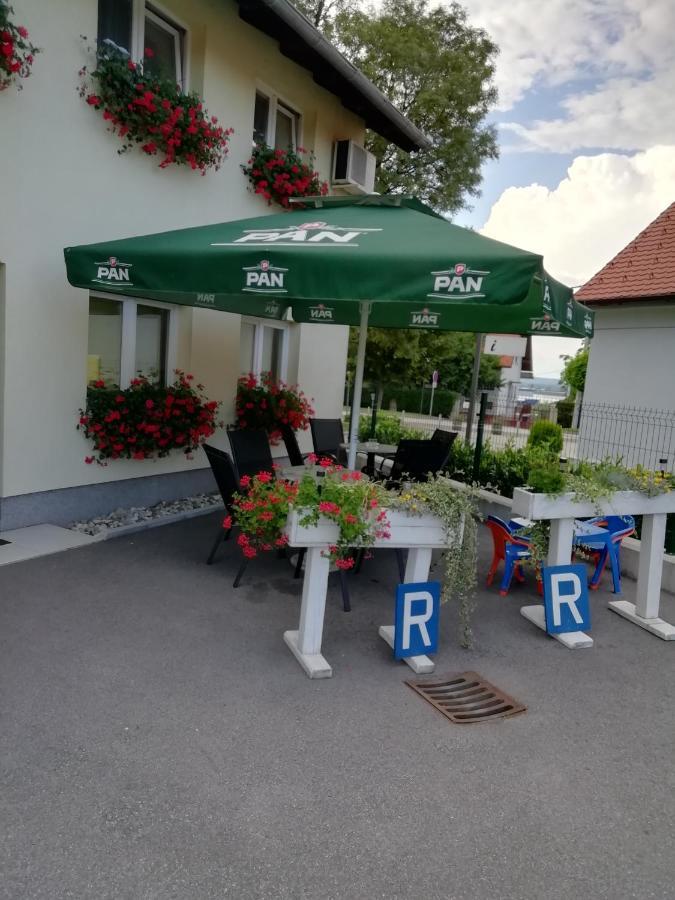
{"type": "Point", "coordinates": [279, 175]}
{"type": "Point", "coordinates": [16, 51]}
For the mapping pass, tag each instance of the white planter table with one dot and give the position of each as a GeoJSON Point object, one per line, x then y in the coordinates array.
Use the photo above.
{"type": "Point", "coordinates": [563, 510]}
{"type": "Point", "coordinates": [421, 534]}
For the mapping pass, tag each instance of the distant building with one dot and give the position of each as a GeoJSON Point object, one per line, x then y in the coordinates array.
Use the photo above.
{"type": "Point", "coordinates": [629, 400]}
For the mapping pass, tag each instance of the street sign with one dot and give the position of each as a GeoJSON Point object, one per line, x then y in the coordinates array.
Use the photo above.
{"type": "Point", "coordinates": [434, 379]}
{"type": "Point", "coordinates": [416, 624]}
{"type": "Point", "coordinates": [504, 345]}
{"type": "Point", "coordinates": [566, 606]}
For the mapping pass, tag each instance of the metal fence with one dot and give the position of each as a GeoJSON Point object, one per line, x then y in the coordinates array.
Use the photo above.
{"type": "Point", "coordinates": [631, 434]}
{"type": "Point", "coordinates": [635, 435]}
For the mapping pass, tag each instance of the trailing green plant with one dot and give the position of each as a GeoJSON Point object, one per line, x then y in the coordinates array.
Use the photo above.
{"type": "Point", "coordinates": [547, 434]}
{"type": "Point", "coordinates": [457, 511]}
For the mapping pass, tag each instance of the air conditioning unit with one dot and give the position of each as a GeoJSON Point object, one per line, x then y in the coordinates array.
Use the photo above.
{"type": "Point", "coordinates": [353, 168]}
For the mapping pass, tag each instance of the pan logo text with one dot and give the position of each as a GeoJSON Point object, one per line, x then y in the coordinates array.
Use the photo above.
{"type": "Point", "coordinates": [309, 234]}
{"type": "Point", "coordinates": [546, 325]}
{"type": "Point", "coordinates": [112, 271]}
{"type": "Point", "coordinates": [424, 318]}
{"type": "Point", "coordinates": [321, 313]}
{"type": "Point", "coordinates": [460, 281]}
{"type": "Point", "coordinates": [264, 278]}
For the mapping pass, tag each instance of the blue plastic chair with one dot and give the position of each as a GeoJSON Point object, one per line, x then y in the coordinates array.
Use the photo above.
{"type": "Point", "coordinates": [510, 548]}
{"type": "Point", "coordinates": [618, 527]}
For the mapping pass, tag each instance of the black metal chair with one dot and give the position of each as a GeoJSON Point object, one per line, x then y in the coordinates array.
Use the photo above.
{"type": "Point", "coordinates": [251, 451]}
{"type": "Point", "coordinates": [416, 458]}
{"type": "Point", "coordinates": [447, 438]}
{"type": "Point", "coordinates": [228, 484]}
{"type": "Point", "coordinates": [295, 455]}
{"type": "Point", "coordinates": [327, 435]}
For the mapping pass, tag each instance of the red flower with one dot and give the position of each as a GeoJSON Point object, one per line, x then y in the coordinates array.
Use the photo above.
{"type": "Point", "coordinates": [93, 100]}
{"type": "Point", "coordinates": [227, 523]}
{"type": "Point", "coordinates": [22, 31]}
{"type": "Point", "coordinates": [138, 454]}
{"type": "Point", "coordinates": [148, 53]}
{"type": "Point", "coordinates": [265, 477]}
{"type": "Point", "coordinates": [245, 480]}
{"type": "Point", "coordinates": [149, 404]}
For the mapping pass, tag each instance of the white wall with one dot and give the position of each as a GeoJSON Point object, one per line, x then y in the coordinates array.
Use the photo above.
{"type": "Point", "coordinates": [631, 364]}
{"type": "Point", "coordinates": [62, 183]}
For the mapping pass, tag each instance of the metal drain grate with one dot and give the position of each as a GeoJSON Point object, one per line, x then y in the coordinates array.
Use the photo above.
{"type": "Point", "coordinates": [467, 698]}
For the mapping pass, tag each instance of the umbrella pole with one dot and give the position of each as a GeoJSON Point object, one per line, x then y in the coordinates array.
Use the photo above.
{"type": "Point", "coordinates": [358, 384]}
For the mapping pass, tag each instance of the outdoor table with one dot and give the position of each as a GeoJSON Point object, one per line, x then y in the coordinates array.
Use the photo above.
{"type": "Point", "coordinates": [371, 450]}
{"type": "Point", "coordinates": [296, 473]}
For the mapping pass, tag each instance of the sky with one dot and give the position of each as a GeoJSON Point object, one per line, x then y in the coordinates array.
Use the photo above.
{"type": "Point", "coordinates": [586, 124]}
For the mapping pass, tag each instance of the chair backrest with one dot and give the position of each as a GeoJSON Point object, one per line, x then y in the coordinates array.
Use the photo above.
{"type": "Point", "coordinates": [444, 437]}
{"type": "Point", "coordinates": [502, 535]}
{"type": "Point", "coordinates": [223, 471]}
{"type": "Point", "coordinates": [327, 435]}
{"type": "Point", "coordinates": [416, 458]}
{"type": "Point", "coordinates": [618, 526]}
{"type": "Point", "coordinates": [251, 451]}
{"type": "Point", "coordinates": [292, 446]}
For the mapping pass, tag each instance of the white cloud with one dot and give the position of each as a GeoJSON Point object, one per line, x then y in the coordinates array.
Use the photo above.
{"type": "Point", "coordinates": [562, 41]}
{"type": "Point", "coordinates": [578, 226]}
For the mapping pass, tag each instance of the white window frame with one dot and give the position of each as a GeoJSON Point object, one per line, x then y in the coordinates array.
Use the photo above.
{"type": "Point", "coordinates": [258, 335]}
{"type": "Point", "coordinates": [128, 339]}
{"type": "Point", "coordinates": [165, 19]}
{"type": "Point", "coordinates": [276, 101]}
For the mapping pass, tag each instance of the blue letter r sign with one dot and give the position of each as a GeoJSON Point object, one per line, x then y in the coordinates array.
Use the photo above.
{"type": "Point", "coordinates": [566, 606]}
{"type": "Point", "coordinates": [416, 626]}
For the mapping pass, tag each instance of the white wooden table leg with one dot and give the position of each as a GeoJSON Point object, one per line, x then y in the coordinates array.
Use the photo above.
{"type": "Point", "coordinates": [645, 612]}
{"type": "Point", "coordinates": [305, 643]}
{"type": "Point", "coordinates": [416, 570]}
{"type": "Point", "coordinates": [560, 542]}
{"type": "Point", "coordinates": [559, 554]}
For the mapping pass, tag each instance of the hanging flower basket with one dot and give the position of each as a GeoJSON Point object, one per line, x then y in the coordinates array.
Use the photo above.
{"type": "Point", "coordinates": [266, 404]}
{"type": "Point", "coordinates": [16, 51]}
{"type": "Point", "coordinates": [145, 420]}
{"type": "Point", "coordinates": [153, 112]}
{"type": "Point", "coordinates": [279, 175]}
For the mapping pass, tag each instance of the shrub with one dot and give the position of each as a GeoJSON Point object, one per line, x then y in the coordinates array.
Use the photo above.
{"type": "Point", "coordinates": [565, 413]}
{"type": "Point", "coordinates": [388, 429]}
{"type": "Point", "coordinates": [546, 434]}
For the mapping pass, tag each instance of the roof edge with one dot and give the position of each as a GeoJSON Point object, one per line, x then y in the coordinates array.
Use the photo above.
{"type": "Point", "coordinates": [402, 132]}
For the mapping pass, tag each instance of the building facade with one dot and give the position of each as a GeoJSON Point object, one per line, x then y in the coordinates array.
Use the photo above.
{"type": "Point", "coordinates": [63, 183]}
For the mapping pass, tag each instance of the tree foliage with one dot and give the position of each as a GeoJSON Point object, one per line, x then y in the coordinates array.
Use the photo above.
{"type": "Point", "coordinates": [408, 358]}
{"type": "Point", "coordinates": [574, 371]}
{"type": "Point", "coordinates": [437, 70]}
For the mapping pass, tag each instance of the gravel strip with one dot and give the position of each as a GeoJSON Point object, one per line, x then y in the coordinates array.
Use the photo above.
{"type": "Point", "coordinates": [147, 515]}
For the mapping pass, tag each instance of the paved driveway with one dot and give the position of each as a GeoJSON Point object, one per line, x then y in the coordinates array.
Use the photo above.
{"type": "Point", "coordinates": [158, 740]}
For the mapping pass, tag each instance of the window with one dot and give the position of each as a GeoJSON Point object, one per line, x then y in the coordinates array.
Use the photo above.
{"type": "Point", "coordinates": [274, 122]}
{"type": "Point", "coordinates": [263, 348]}
{"type": "Point", "coordinates": [128, 338]}
{"type": "Point", "coordinates": [135, 25]}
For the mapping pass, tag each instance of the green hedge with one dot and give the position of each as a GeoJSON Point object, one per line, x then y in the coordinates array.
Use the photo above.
{"type": "Point", "coordinates": [388, 429]}
{"type": "Point", "coordinates": [565, 413]}
{"type": "Point", "coordinates": [409, 399]}
{"type": "Point", "coordinates": [546, 434]}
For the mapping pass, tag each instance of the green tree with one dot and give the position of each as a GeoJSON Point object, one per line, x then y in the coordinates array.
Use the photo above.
{"type": "Point", "coordinates": [407, 358]}
{"type": "Point", "coordinates": [574, 371]}
{"type": "Point", "coordinates": [437, 69]}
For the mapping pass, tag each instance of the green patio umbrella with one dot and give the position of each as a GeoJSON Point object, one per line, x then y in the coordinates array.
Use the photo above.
{"type": "Point", "coordinates": [387, 261]}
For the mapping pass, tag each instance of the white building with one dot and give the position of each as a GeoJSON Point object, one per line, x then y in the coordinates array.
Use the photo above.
{"type": "Point", "coordinates": [262, 69]}
{"type": "Point", "coordinates": [629, 397]}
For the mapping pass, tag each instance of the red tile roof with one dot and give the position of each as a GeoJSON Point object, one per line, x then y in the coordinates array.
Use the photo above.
{"type": "Point", "coordinates": [643, 270]}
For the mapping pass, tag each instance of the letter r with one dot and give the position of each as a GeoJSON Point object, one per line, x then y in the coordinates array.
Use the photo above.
{"type": "Point", "coordinates": [557, 600]}
{"type": "Point", "coordinates": [420, 620]}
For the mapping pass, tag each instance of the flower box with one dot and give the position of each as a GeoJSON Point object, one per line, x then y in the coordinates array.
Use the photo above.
{"type": "Point", "coordinates": [621, 503]}
{"type": "Point", "coordinates": [406, 531]}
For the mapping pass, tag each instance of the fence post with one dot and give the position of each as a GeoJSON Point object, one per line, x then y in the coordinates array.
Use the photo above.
{"type": "Point", "coordinates": [479, 435]}
{"type": "Point", "coordinates": [373, 418]}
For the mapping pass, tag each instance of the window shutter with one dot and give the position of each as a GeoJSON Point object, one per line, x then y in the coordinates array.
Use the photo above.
{"type": "Point", "coordinates": [114, 22]}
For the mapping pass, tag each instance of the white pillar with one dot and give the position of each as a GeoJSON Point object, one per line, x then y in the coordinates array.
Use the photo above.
{"type": "Point", "coordinates": [305, 643]}
{"type": "Point", "coordinates": [358, 384]}
{"type": "Point", "coordinates": [418, 565]}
